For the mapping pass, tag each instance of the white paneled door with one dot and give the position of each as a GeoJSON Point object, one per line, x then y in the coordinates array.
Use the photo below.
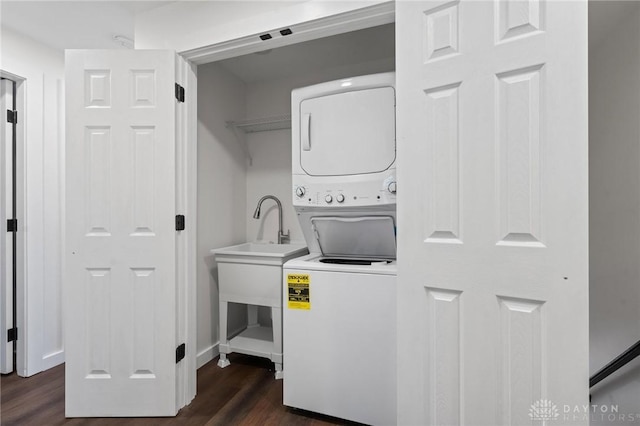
{"type": "Point", "coordinates": [120, 271]}
{"type": "Point", "coordinates": [492, 212]}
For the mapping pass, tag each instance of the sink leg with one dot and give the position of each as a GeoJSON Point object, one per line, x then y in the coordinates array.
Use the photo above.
{"type": "Point", "coordinates": [223, 361]}
{"type": "Point", "coordinates": [276, 323]}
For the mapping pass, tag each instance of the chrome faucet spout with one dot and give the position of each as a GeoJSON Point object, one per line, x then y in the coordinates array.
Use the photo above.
{"type": "Point", "coordinates": [256, 215]}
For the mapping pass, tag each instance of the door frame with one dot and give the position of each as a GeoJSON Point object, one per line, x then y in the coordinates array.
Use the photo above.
{"type": "Point", "coordinates": [366, 17]}
{"type": "Point", "coordinates": [21, 244]}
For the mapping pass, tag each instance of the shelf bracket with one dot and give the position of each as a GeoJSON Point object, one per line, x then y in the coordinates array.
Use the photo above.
{"type": "Point", "coordinates": [242, 141]}
{"type": "Point", "coordinates": [258, 125]}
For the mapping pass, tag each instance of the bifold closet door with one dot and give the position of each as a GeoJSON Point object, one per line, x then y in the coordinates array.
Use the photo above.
{"type": "Point", "coordinates": [120, 272]}
{"type": "Point", "coordinates": [492, 211]}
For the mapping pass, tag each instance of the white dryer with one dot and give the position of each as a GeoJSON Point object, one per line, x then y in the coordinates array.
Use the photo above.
{"type": "Point", "coordinates": [344, 149]}
{"type": "Point", "coordinates": [339, 306]}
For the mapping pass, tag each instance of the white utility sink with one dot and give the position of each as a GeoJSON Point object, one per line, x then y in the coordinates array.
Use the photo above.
{"type": "Point", "coordinates": [261, 250]}
{"type": "Point", "coordinates": [251, 273]}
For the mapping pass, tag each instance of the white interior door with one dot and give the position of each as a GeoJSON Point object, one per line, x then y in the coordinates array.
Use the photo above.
{"type": "Point", "coordinates": [6, 238]}
{"type": "Point", "coordinates": [120, 284]}
{"type": "Point", "coordinates": [492, 211]}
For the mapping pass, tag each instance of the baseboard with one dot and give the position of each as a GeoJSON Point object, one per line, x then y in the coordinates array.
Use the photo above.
{"type": "Point", "coordinates": [207, 355]}
{"type": "Point", "coordinates": [53, 359]}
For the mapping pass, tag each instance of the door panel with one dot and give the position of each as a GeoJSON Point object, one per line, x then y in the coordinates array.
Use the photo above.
{"type": "Point", "coordinates": [120, 326]}
{"type": "Point", "coordinates": [492, 216]}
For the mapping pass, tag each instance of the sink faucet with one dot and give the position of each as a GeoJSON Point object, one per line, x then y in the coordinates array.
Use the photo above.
{"type": "Point", "coordinates": [256, 215]}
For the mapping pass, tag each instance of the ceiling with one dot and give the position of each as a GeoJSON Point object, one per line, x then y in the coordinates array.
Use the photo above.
{"type": "Point", "coordinates": [357, 47]}
{"type": "Point", "coordinates": [80, 24]}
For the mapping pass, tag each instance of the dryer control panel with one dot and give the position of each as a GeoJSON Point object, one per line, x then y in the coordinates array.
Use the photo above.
{"type": "Point", "coordinates": [309, 191]}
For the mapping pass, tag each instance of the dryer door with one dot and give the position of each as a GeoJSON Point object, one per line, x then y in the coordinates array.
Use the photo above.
{"type": "Point", "coordinates": [348, 133]}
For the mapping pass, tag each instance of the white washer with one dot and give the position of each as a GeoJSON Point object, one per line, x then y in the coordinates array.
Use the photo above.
{"type": "Point", "coordinates": [339, 319]}
{"type": "Point", "coordinates": [340, 353]}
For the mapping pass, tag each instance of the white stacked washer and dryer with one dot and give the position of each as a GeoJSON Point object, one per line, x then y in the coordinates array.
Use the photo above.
{"type": "Point", "coordinates": [339, 310]}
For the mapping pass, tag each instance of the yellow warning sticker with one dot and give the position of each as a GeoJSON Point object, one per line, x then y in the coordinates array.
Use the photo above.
{"type": "Point", "coordinates": [298, 291]}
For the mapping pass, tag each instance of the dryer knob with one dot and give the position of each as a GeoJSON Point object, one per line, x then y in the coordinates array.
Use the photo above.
{"type": "Point", "coordinates": [340, 198]}
{"type": "Point", "coordinates": [328, 199]}
{"type": "Point", "coordinates": [392, 187]}
{"type": "Point", "coordinates": [300, 191]}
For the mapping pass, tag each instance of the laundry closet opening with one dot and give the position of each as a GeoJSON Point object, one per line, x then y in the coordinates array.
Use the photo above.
{"type": "Point", "coordinates": [244, 150]}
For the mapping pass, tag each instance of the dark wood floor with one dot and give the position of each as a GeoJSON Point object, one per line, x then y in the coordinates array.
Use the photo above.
{"type": "Point", "coordinates": [245, 393]}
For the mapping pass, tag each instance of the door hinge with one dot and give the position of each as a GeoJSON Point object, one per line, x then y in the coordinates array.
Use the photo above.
{"type": "Point", "coordinates": [12, 225]}
{"type": "Point", "coordinates": [12, 334]}
{"type": "Point", "coordinates": [180, 352]}
{"type": "Point", "coordinates": [12, 116]}
{"type": "Point", "coordinates": [179, 222]}
{"type": "Point", "coordinates": [179, 93]}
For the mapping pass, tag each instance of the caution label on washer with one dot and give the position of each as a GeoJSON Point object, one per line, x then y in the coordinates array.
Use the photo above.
{"type": "Point", "coordinates": [298, 291]}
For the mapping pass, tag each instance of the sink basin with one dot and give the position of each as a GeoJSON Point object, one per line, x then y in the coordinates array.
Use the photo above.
{"type": "Point", "coordinates": [261, 250]}
{"type": "Point", "coordinates": [251, 273]}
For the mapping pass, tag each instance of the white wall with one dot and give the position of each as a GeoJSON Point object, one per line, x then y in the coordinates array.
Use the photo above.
{"type": "Point", "coordinates": [211, 22]}
{"type": "Point", "coordinates": [43, 69]}
{"type": "Point", "coordinates": [614, 133]}
{"type": "Point", "coordinates": [221, 194]}
{"type": "Point", "coordinates": [270, 172]}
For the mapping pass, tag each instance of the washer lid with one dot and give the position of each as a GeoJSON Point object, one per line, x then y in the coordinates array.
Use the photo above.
{"type": "Point", "coordinates": [363, 236]}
